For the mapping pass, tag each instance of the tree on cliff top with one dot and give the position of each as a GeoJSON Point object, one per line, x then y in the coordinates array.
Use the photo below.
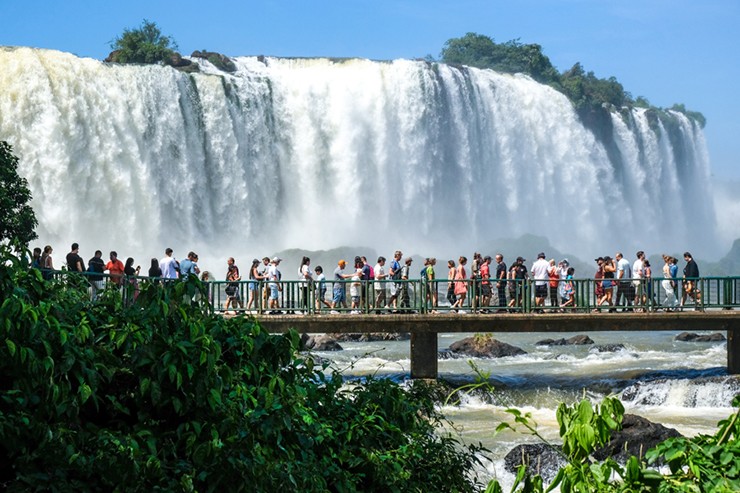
{"type": "Point", "coordinates": [145, 44]}
{"type": "Point", "coordinates": [17, 219]}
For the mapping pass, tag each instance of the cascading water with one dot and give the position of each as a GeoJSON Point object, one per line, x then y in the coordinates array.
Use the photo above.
{"type": "Point", "coordinates": [317, 153]}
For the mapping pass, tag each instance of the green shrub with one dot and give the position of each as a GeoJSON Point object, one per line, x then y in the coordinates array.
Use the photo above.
{"type": "Point", "coordinates": [145, 44]}
{"type": "Point", "coordinates": [164, 395]}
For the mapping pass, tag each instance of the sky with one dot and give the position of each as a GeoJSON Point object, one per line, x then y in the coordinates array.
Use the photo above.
{"type": "Point", "coordinates": [669, 51]}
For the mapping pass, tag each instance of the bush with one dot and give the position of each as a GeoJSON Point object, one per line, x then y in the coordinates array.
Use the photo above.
{"type": "Point", "coordinates": [145, 44]}
{"type": "Point", "coordinates": [166, 396]}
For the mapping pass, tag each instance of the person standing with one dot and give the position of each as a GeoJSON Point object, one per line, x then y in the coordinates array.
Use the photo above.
{"type": "Point", "coordinates": [485, 283]}
{"type": "Point", "coordinates": [115, 268]}
{"type": "Point", "coordinates": [320, 289]}
{"type": "Point", "coordinates": [501, 273]}
{"type": "Point", "coordinates": [233, 297]}
{"type": "Point", "coordinates": [461, 286]}
{"type": "Point", "coordinates": [395, 274]}
{"type": "Point", "coordinates": [339, 292]}
{"type": "Point", "coordinates": [254, 279]}
{"type": "Point", "coordinates": [520, 277]}
{"type": "Point", "coordinates": [668, 285]}
{"type": "Point", "coordinates": [154, 271]}
{"type": "Point", "coordinates": [433, 287]}
{"type": "Point", "coordinates": [553, 274]}
{"type": "Point", "coordinates": [189, 266]}
{"type": "Point", "coordinates": [624, 277]}
{"type": "Point", "coordinates": [539, 273]}
{"type": "Point", "coordinates": [405, 276]}
{"type": "Point", "coordinates": [132, 284]}
{"type": "Point", "coordinates": [273, 282]}
{"type": "Point", "coordinates": [306, 277]}
{"type": "Point", "coordinates": [168, 265]}
{"type": "Point", "coordinates": [47, 264]}
{"type": "Point", "coordinates": [599, 282]}
{"type": "Point", "coordinates": [637, 274]}
{"type": "Point", "coordinates": [74, 261]}
{"type": "Point", "coordinates": [690, 276]}
{"type": "Point", "coordinates": [96, 267]}
{"type": "Point", "coordinates": [379, 284]}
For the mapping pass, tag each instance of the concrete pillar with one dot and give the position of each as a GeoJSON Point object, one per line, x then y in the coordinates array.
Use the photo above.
{"type": "Point", "coordinates": [733, 350]}
{"type": "Point", "coordinates": [424, 355]}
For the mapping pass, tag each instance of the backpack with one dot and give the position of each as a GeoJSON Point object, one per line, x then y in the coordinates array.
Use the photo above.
{"type": "Point", "coordinates": [423, 273]}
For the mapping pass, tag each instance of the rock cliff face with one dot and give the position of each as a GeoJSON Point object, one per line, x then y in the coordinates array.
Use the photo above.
{"type": "Point", "coordinates": [220, 61]}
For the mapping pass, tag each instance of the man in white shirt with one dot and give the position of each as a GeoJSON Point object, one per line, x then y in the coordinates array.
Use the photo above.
{"type": "Point", "coordinates": [637, 269]}
{"type": "Point", "coordinates": [539, 273]}
{"type": "Point", "coordinates": [624, 276]}
{"type": "Point", "coordinates": [380, 276]}
{"type": "Point", "coordinates": [168, 265]}
{"type": "Point", "coordinates": [273, 278]}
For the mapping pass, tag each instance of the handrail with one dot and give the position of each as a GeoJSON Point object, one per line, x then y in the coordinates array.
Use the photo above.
{"type": "Point", "coordinates": [417, 295]}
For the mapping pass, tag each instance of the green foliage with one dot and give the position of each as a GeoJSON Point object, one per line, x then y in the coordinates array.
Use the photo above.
{"type": "Point", "coordinates": [704, 463]}
{"type": "Point", "coordinates": [588, 93]}
{"type": "Point", "coordinates": [17, 219]}
{"type": "Point", "coordinates": [145, 44]}
{"type": "Point", "coordinates": [477, 50]}
{"type": "Point", "coordinates": [694, 115]}
{"type": "Point", "coordinates": [163, 395]}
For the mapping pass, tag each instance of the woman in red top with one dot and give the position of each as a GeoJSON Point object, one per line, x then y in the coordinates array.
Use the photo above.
{"type": "Point", "coordinates": [554, 275]}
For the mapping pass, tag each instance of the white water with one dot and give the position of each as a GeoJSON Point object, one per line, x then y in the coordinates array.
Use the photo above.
{"type": "Point", "coordinates": [678, 384]}
{"type": "Point", "coordinates": [316, 154]}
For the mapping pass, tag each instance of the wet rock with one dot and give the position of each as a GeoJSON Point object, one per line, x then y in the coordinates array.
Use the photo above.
{"type": "Point", "coordinates": [484, 347]}
{"type": "Point", "coordinates": [694, 337]}
{"type": "Point", "coordinates": [323, 342]}
{"type": "Point", "coordinates": [538, 457]}
{"type": "Point", "coordinates": [607, 348]}
{"type": "Point", "coordinates": [221, 62]}
{"type": "Point", "coordinates": [372, 337]}
{"type": "Point", "coordinates": [635, 438]}
{"type": "Point", "coordinates": [578, 340]}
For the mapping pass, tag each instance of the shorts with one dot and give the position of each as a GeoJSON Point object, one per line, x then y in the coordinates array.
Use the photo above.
{"type": "Point", "coordinates": [607, 284]}
{"type": "Point", "coordinates": [321, 294]}
{"type": "Point", "coordinates": [252, 286]}
{"type": "Point", "coordinates": [356, 300]}
{"type": "Point", "coordinates": [540, 290]}
{"type": "Point", "coordinates": [273, 292]}
{"type": "Point", "coordinates": [339, 296]}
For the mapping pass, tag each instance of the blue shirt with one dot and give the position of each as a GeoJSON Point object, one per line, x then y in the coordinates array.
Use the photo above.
{"type": "Point", "coordinates": [187, 266]}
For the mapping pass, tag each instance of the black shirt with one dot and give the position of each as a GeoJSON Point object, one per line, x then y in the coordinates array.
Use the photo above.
{"type": "Point", "coordinates": [72, 260]}
{"type": "Point", "coordinates": [501, 272]}
{"type": "Point", "coordinates": [691, 270]}
{"type": "Point", "coordinates": [96, 265]}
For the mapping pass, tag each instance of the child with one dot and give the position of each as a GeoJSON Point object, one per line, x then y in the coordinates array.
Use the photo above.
{"type": "Point", "coordinates": [354, 291]}
{"type": "Point", "coordinates": [320, 289]}
{"type": "Point", "coordinates": [569, 291]}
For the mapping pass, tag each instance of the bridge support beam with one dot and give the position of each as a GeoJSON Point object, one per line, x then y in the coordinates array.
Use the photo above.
{"type": "Point", "coordinates": [733, 351]}
{"type": "Point", "coordinates": [424, 355]}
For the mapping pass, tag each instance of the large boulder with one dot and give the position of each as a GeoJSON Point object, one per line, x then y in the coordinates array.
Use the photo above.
{"type": "Point", "coordinates": [221, 62]}
{"type": "Point", "coordinates": [484, 347]}
{"type": "Point", "coordinates": [578, 340]}
{"type": "Point", "coordinates": [322, 342]}
{"type": "Point", "coordinates": [372, 337]}
{"type": "Point", "coordinates": [539, 458]}
{"type": "Point", "coordinates": [694, 337]}
{"type": "Point", "coordinates": [635, 438]}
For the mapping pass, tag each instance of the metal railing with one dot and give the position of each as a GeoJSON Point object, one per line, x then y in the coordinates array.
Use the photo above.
{"type": "Point", "coordinates": [440, 295]}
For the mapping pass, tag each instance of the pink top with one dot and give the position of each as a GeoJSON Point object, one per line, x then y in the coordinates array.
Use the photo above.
{"type": "Point", "coordinates": [460, 287]}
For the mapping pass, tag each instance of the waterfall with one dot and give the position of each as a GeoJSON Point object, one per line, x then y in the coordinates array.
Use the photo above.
{"type": "Point", "coordinates": [318, 153]}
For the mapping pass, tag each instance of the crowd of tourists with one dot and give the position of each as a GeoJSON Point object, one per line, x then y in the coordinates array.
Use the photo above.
{"type": "Point", "coordinates": [486, 285]}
